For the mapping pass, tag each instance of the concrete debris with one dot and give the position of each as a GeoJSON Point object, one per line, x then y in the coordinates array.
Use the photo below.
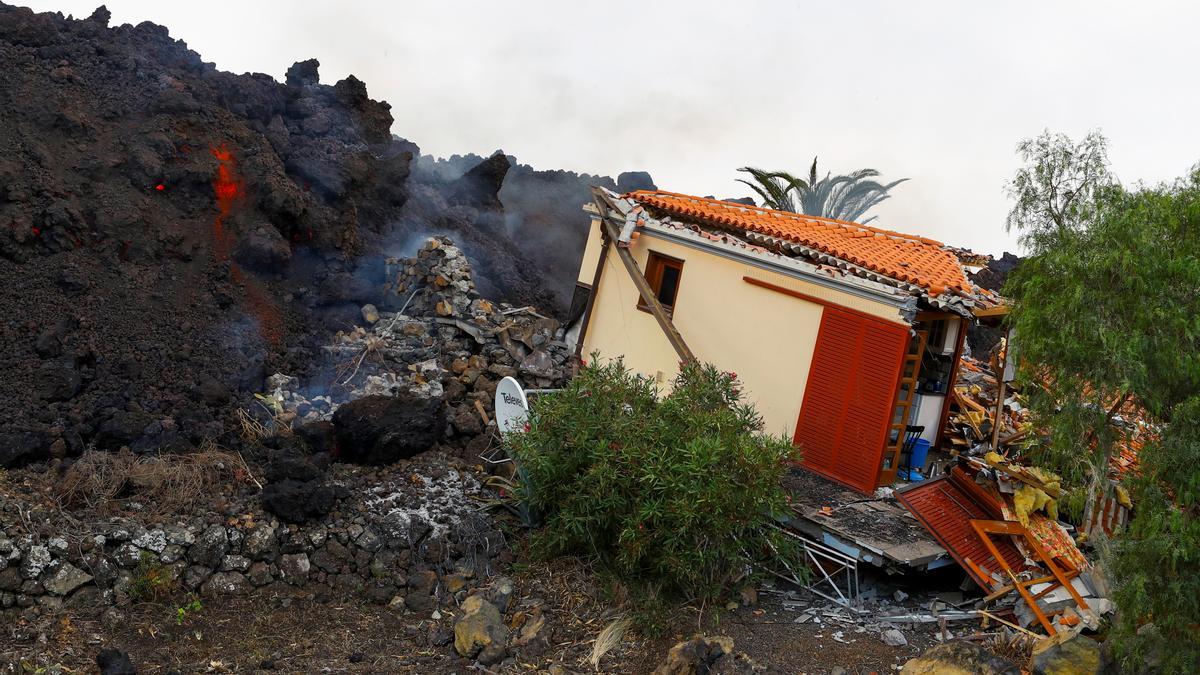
{"type": "Point", "coordinates": [893, 638]}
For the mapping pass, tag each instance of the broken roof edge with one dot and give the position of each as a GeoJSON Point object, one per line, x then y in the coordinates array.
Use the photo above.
{"type": "Point", "coordinates": [910, 258]}
{"type": "Point", "coordinates": [876, 285]}
{"type": "Point", "coordinates": [761, 257]}
{"type": "Point", "coordinates": [951, 301]}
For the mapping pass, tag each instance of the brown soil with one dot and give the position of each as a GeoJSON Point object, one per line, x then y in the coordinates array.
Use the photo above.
{"type": "Point", "coordinates": [306, 631]}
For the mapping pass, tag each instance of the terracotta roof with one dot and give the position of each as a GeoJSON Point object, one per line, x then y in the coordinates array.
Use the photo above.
{"type": "Point", "coordinates": [916, 260]}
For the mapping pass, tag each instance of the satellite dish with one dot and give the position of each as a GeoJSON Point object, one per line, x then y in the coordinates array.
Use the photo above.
{"type": "Point", "coordinates": [512, 408]}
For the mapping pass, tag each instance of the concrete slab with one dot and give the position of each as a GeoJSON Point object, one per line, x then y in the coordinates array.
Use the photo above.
{"type": "Point", "coordinates": [878, 531]}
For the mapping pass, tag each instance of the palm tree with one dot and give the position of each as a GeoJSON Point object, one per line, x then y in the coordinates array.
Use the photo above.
{"type": "Point", "coordinates": [844, 197]}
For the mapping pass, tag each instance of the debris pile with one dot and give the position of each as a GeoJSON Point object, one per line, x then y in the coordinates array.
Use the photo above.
{"type": "Point", "coordinates": [971, 429]}
{"type": "Point", "coordinates": [997, 515]}
{"type": "Point", "coordinates": [443, 343]}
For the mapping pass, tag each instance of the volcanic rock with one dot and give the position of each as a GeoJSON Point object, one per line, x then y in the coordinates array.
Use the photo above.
{"type": "Point", "coordinates": [1067, 654]}
{"type": "Point", "coordinates": [65, 579]}
{"type": "Point", "coordinates": [383, 429]}
{"type": "Point", "coordinates": [113, 661]}
{"type": "Point", "coordinates": [629, 181]}
{"type": "Point", "coordinates": [19, 447]}
{"type": "Point", "coordinates": [297, 501]}
{"type": "Point", "coordinates": [210, 547]}
{"type": "Point", "coordinates": [704, 655]}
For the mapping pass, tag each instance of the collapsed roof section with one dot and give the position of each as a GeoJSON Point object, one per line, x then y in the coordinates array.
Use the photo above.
{"type": "Point", "coordinates": [879, 260]}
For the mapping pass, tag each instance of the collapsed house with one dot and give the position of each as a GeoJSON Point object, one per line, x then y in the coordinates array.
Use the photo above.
{"type": "Point", "coordinates": [850, 341]}
{"type": "Point", "coordinates": [842, 333]}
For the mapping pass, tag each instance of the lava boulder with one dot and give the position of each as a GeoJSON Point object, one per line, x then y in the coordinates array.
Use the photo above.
{"type": "Point", "coordinates": [383, 429]}
{"type": "Point", "coordinates": [295, 501]}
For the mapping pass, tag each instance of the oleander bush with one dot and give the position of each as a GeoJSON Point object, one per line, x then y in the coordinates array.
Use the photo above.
{"type": "Point", "coordinates": [674, 491]}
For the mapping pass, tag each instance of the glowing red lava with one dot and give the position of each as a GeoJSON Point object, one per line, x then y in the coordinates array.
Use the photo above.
{"type": "Point", "coordinates": [228, 188]}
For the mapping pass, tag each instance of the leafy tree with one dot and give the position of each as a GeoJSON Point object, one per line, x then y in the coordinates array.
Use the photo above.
{"type": "Point", "coordinates": [1055, 193]}
{"type": "Point", "coordinates": [844, 197]}
{"type": "Point", "coordinates": [1107, 309]}
{"type": "Point", "coordinates": [674, 492]}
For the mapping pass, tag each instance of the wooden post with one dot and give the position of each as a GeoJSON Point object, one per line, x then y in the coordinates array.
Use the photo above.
{"type": "Point", "coordinates": [643, 287]}
{"type": "Point", "coordinates": [1000, 387]}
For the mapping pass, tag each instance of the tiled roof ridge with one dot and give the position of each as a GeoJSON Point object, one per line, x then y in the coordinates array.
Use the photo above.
{"type": "Point", "coordinates": [763, 210]}
{"type": "Point", "coordinates": [924, 262]}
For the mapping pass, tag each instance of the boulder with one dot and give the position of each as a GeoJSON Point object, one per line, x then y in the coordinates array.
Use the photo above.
{"type": "Point", "coordinates": [1067, 654]}
{"type": "Point", "coordinates": [704, 655]}
{"type": "Point", "coordinates": [480, 187]}
{"type": "Point", "coordinates": [296, 501]}
{"type": "Point", "coordinates": [480, 632]}
{"type": "Point", "coordinates": [210, 547]}
{"type": "Point", "coordinates": [303, 73]}
{"type": "Point", "coordinates": [65, 579]}
{"type": "Point", "coordinates": [383, 429]}
{"type": "Point", "coordinates": [113, 661]}
{"type": "Point", "coordinates": [629, 181]}
{"type": "Point", "coordinates": [959, 658]}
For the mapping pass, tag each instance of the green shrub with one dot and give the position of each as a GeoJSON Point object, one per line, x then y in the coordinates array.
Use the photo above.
{"type": "Point", "coordinates": [151, 580]}
{"type": "Point", "coordinates": [675, 492]}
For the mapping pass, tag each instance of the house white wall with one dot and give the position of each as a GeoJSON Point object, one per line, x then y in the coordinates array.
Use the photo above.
{"type": "Point", "coordinates": [765, 336]}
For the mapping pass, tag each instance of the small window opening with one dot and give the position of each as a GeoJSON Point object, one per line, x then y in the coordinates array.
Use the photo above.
{"type": "Point", "coordinates": [663, 273]}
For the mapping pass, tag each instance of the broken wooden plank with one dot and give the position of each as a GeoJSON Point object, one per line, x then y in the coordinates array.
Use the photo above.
{"type": "Point", "coordinates": [643, 286]}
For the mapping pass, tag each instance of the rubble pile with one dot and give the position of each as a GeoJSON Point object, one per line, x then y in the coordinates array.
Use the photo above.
{"type": "Point", "coordinates": [443, 343]}
{"type": "Point", "coordinates": [970, 432]}
{"type": "Point", "coordinates": [1035, 574]}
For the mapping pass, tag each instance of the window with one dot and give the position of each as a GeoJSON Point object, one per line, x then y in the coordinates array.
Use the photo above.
{"type": "Point", "coordinates": [663, 274]}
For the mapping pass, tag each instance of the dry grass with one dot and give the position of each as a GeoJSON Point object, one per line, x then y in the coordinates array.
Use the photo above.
{"type": "Point", "coordinates": [372, 348]}
{"type": "Point", "coordinates": [608, 639]}
{"type": "Point", "coordinates": [164, 483]}
{"type": "Point", "coordinates": [255, 431]}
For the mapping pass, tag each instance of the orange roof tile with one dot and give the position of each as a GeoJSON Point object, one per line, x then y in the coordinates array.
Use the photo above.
{"type": "Point", "coordinates": [917, 260]}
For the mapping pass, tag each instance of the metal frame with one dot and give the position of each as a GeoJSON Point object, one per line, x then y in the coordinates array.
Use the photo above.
{"type": "Point", "coordinates": [818, 555]}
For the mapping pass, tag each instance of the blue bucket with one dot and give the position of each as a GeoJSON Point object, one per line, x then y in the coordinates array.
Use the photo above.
{"type": "Point", "coordinates": [920, 451]}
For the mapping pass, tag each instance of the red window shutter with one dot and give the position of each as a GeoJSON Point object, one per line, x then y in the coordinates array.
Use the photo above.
{"type": "Point", "coordinates": [848, 400]}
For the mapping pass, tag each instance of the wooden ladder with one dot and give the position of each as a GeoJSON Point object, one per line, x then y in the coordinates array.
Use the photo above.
{"type": "Point", "coordinates": [906, 393]}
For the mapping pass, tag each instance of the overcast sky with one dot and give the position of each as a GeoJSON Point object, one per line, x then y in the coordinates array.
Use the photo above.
{"type": "Point", "coordinates": [690, 90]}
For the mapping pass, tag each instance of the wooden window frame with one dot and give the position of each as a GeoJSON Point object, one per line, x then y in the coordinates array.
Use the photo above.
{"type": "Point", "coordinates": [655, 262]}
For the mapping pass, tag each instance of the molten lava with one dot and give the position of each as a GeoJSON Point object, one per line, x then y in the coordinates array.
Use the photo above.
{"type": "Point", "coordinates": [229, 188]}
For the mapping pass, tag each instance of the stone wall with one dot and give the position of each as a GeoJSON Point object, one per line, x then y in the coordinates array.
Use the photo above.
{"type": "Point", "coordinates": [405, 534]}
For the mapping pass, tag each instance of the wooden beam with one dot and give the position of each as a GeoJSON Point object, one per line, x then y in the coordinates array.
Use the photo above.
{"type": "Point", "coordinates": [985, 312]}
{"type": "Point", "coordinates": [643, 287]}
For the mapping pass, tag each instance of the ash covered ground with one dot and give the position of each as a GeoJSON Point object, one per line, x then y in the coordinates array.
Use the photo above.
{"type": "Point", "coordinates": [171, 235]}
